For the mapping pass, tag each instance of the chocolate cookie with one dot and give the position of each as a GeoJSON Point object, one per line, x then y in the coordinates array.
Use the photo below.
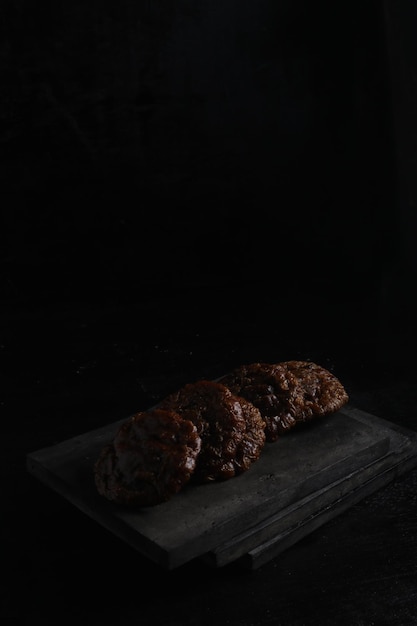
{"type": "Point", "coordinates": [151, 458]}
{"type": "Point", "coordinates": [231, 428]}
{"type": "Point", "coordinates": [287, 393]}
{"type": "Point", "coordinates": [322, 392]}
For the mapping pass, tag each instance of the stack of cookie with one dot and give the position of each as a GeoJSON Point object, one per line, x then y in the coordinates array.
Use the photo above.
{"type": "Point", "coordinates": [212, 430]}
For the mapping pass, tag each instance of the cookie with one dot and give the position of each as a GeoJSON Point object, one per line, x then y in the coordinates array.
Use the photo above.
{"type": "Point", "coordinates": [231, 428]}
{"type": "Point", "coordinates": [321, 392]}
{"type": "Point", "coordinates": [287, 393]}
{"type": "Point", "coordinates": [151, 458]}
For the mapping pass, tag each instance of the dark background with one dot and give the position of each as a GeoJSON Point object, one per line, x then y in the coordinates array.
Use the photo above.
{"type": "Point", "coordinates": [174, 145]}
{"type": "Point", "coordinates": [185, 187]}
{"type": "Point", "coordinates": [230, 171]}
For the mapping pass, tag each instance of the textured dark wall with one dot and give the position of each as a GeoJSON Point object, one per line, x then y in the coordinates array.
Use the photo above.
{"type": "Point", "coordinates": [168, 145]}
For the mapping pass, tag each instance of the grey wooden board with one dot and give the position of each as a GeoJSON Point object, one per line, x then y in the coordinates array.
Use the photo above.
{"type": "Point", "coordinates": [259, 544]}
{"type": "Point", "coordinates": [203, 517]}
{"type": "Point", "coordinates": [268, 550]}
{"type": "Point", "coordinates": [303, 516]}
{"type": "Point", "coordinates": [401, 458]}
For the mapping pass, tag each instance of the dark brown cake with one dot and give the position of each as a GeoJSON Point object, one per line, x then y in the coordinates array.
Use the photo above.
{"type": "Point", "coordinates": [151, 458]}
{"type": "Point", "coordinates": [287, 393]}
{"type": "Point", "coordinates": [231, 428]}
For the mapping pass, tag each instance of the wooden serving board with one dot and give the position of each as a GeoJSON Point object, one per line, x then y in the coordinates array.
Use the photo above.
{"type": "Point", "coordinates": [300, 481]}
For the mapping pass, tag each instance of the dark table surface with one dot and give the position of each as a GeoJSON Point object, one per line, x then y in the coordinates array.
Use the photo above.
{"type": "Point", "coordinates": [73, 367]}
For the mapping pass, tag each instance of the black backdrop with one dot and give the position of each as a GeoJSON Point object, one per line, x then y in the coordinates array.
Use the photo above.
{"type": "Point", "coordinates": [204, 164]}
